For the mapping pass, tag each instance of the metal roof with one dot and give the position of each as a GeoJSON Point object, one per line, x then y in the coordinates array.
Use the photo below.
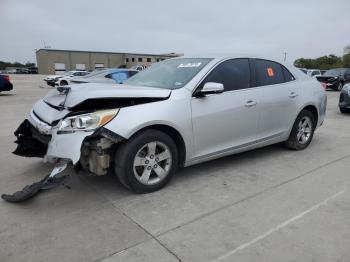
{"type": "Point", "coordinates": [101, 52]}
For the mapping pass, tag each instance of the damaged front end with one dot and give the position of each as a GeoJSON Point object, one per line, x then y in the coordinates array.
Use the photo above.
{"type": "Point", "coordinates": [88, 148]}
{"type": "Point", "coordinates": [67, 128]}
{"type": "Point", "coordinates": [30, 142]}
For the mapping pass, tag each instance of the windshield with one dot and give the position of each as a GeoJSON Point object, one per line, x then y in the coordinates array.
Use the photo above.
{"type": "Point", "coordinates": [169, 74]}
{"type": "Point", "coordinates": [334, 72]}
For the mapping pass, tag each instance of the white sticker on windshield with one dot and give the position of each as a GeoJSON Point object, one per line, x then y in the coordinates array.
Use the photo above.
{"type": "Point", "coordinates": [189, 65]}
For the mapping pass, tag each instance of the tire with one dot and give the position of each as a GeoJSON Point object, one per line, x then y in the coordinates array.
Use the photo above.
{"type": "Point", "coordinates": [339, 86]}
{"type": "Point", "coordinates": [300, 139]}
{"type": "Point", "coordinates": [344, 110]}
{"type": "Point", "coordinates": [132, 168]}
{"type": "Point", "coordinates": [63, 83]}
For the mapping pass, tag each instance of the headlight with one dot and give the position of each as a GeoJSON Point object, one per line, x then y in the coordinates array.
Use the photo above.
{"type": "Point", "coordinates": [86, 122]}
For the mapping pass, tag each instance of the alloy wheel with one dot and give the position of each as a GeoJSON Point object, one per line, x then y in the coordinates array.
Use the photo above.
{"type": "Point", "coordinates": [152, 163]}
{"type": "Point", "coordinates": [304, 130]}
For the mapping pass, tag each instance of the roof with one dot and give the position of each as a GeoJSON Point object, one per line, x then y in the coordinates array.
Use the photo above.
{"type": "Point", "coordinates": [101, 52]}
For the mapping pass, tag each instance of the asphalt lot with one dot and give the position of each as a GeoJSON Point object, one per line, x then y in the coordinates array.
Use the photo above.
{"type": "Point", "coordinates": [269, 205]}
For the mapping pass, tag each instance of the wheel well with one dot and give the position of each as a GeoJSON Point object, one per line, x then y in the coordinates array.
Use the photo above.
{"type": "Point", "coordinates": [313, 110]}
{"type": "Point", "coordinates": [175, 135]}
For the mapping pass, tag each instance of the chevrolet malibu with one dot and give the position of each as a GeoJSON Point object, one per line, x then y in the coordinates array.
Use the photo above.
{"type": "Point", "coordinates": [177, 113]}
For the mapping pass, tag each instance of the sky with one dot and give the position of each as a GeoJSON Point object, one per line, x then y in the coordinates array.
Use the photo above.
{"type": "Point", "coordinates": [194, 27]}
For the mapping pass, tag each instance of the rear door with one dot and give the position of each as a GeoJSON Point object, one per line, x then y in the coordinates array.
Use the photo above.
{"type": "Point", "coordinates": [279, 97]}
{"type": "Point", "coordinates": [226, 121]}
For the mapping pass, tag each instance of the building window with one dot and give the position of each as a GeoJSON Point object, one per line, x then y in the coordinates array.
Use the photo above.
{"type": "Point", "coordinates": [133, 59]}
{"type": "Point", "coordinates": [149, 60]}
{"type": "Point", "coordinates": [158, 59]}
{"type": "Point", "coordinates": [140, 59]}
{"type": "Point", "coordinates": [127, 60]}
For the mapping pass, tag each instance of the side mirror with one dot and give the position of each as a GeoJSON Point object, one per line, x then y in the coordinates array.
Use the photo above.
{"type": "Point", "coordinates": [211, 88]}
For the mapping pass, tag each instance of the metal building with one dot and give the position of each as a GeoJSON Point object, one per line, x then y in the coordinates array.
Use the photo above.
{"type": "Point", "coordinates": [51, 61]}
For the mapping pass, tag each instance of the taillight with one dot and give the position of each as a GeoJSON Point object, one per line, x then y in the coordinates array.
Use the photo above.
{"type": "Point", "coordinates": [7, 78]}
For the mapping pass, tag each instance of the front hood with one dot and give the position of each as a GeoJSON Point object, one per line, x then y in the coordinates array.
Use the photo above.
{"type": "Point", "coordinates": [52, 76]}
{"type": "Point", "coordinates": [79, 93]}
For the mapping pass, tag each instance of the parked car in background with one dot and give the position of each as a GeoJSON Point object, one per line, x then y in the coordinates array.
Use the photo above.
{"type": "Point", "coordinates": [65, 80]}
{"type": "Point", "coordinates": [138, 67]}
{"type": "Point", "coordinates": [344, 99]}
{"type": "Point", "coordinates": [304, 70]}
{"type": "Point", "coordinates": [108, 76]}
{"type": "Point", "coordinates": [52, 79]}
{"type": "Point", "coordinates": [163, 118]}
{"type": "Point", "coordinates": [313, 72]}
{"type": "Point", "coordinates": [335, 78]}
{"type": "Point", "coordinates": [5, 83]}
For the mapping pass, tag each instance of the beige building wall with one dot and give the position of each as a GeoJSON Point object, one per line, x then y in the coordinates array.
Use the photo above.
{"type": "Point", "coordinates": [46, 59]}
{"type": "Point", "coordinates": [79, 58]}
{"type": "Point", "coordinates": [116, 60]}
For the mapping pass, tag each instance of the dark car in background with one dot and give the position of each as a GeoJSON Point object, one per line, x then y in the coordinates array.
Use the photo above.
{"type": "Point", "coordinates": [5, 83]}
{"type": "Point", "coordinates": [335, 78]}
{"type": "Point", "coordinates": [344, 99]}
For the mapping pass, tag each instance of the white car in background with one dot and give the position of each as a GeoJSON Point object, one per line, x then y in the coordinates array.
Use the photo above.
{"type": "Point", "coordinates": [65, 80]}
{"type": "Point", "coordinates": [313, 72]}
{"type": "Point", "coordinates": [52, 79]}
{"type": "Point", "coordinates": [138, 67]}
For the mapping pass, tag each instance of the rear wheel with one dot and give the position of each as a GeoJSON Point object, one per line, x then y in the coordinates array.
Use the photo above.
{"type": "Point", "coordinates": [302, 131]}
{"type": "Point", "coordinates": [146, 162]}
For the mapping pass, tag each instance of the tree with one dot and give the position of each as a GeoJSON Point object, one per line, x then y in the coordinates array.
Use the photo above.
{"type": "Point", "coordinates": [347, 49]}
{"type": "Point", "coordinates": [346, 60]}
{"type": "Point", "coordinates": [323, 62]}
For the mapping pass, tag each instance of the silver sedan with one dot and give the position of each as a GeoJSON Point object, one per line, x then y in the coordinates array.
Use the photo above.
{"type": "Point", "coordinates": [178, 112]}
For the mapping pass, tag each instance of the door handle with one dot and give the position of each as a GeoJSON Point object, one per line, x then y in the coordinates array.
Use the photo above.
{"type": "Point", "coordinates": [250, 103]}
{"type": "Point", "coordinates": [293, 95]}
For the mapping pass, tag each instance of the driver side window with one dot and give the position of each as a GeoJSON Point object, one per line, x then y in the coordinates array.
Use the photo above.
{"type": "Point", "coordinates": [234, 74]}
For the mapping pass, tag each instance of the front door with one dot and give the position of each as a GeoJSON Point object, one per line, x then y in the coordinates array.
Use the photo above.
{"type": "Point", "coordinates": [222, 122]}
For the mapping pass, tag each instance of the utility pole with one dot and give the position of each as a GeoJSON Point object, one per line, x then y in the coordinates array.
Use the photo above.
{"type": "Point", "coordinates": [285, 56]}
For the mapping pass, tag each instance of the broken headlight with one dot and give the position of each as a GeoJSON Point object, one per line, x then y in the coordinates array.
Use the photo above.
{"type": "Point", "coordinates": [86, 122]}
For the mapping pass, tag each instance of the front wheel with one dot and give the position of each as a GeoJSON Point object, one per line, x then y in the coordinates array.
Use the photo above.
{"type": "Point", "coordinates": [302, 131]}
{"type": "Point", "coordinates": [63, 83]}
{"type": "Point", "coordinates": [147, 161]}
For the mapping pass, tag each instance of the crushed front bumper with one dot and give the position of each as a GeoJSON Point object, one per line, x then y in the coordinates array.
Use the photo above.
{"type": "Point", "coordinates": [36, 138]}
{"type": "Point", "coordinates": [30, 142]}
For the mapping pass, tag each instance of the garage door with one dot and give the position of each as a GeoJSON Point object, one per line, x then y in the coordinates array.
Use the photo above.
{"type": "Point", "coordinates": [59, 68]}
{"type": "Point", "coordinates": [80, 66]}
{"type": "Point", "coordinates": [98, 66]}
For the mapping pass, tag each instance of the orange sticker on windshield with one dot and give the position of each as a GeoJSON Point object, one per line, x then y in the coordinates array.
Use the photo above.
{"type": "Point", "coordinates": [270, 72]}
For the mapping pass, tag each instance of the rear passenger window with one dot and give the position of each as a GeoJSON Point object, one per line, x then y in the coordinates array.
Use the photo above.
{"type": "Point", "coordinates": [268, 73]}
{"type": "Point", "coordinates": [287, 75]}
{"type": "Point", "coordinates": [233, 74]}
